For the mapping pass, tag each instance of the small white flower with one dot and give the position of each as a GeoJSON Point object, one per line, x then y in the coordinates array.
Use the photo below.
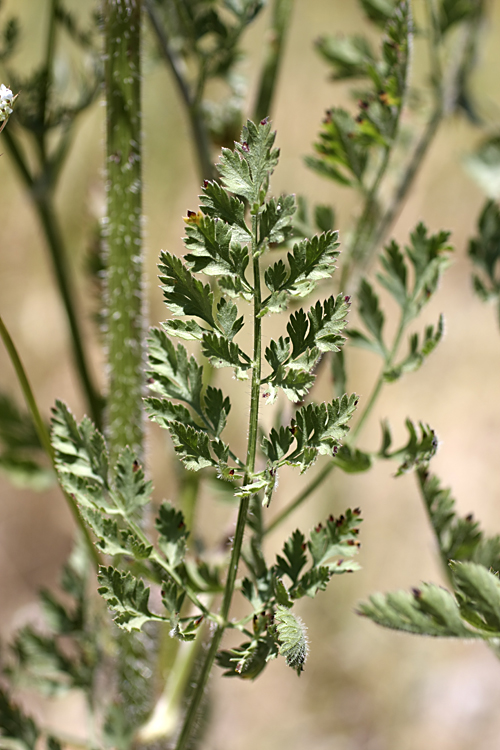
{"type": "Point", "coordinates": [6, 100]}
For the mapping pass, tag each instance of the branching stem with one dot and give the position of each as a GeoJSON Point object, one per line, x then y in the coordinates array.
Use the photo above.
{"type": "Point", "coordinates": [253, 425]}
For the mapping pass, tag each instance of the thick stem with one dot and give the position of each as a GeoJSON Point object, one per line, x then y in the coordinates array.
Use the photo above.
{"type": "Point", "coordinates": [124, 298]}
{"type": "Point", "coordinates": [281, 13]}
{"type": "Point", "coordinates": [253, 424]}
{"type": "Point", "coordinates": [43, 435]}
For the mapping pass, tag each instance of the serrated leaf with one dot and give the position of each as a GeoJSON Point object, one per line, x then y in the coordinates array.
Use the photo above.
{"type": "Point", "coordinates": [313, 581]}
{"type": "Point", "coordinates": [419, 449]}
{"type": "Point", "coordinates": [293, 643]}
{"type": "Point", "coordinates": [131, 490]}
{"type": "Point", "coordinates": [338, 538]}
{"type": "Point", "coordinates": [379, 11]}
{"type": "Point", "coordinates": [127, 596]}
{"type": "Point", "coordinates": [350, 56]}
{"type": "Point", "coordinates": [217, 408]}
{"type": "Point", "coordinates": [478, 591]}
{"type": "Point", "coordinates": [458, 538]}
{"type": "Point", "coordinates": [417, 355]}
{"type": "Point", "coordinates": [174, 374]}
{"type": "Point", "coordinates": [162, 411]}
{"type": "Point", "coordinates": [183, 293]}
{"type": "Point", "coordinates": [429, 610]}
{"type": "Point", "coordinates": [191, 445]}
{"type": "Point", "coordinates": [172, 534]}
{"type": "Point", "coordinates": [216, 202]}
{"type": "Point", "coordinates": [319, 428]}
{"type": "Point", "coordinates": [248, 660]}
{"type": "Point", "coordinates": [294, 557]}
{"type": "Point", "coordinates": [112, 540]}
{"type": "Point", "coordinates": [80, 449]}
{"type": "Point", "coordinates": [275, 221]}
{"type": "Point", "coordinates": [227, 318]}
{"type": "Point", "coordinates": [353, 460]}
{"type": "Point", "coordinates": [214, 250]}
{"type": "Point", "coordinates": [246, 170]}
{"type": "Point", "coordinates": [189, 330]}
{"type": "Point", "coordinates": [221, 352]}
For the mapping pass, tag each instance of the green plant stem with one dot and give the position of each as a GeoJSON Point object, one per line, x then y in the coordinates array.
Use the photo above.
{"type": "Point", "coordinates": [253, 425]}
{"type": "Point", "coordinates": [325, 472]}
{"type": "Point", "coordinates": [197, 122]}
{"type": "Point", "coordinates": [164, 720]}
{"type": "Point", "coordinates": [42, 433]}
{"type": "Point", "coordinates": [124, 298]}
{"type": "Point", "coordinates": [281, 14]}
{"type": "Point", "coordinates": [421, 475]}
{"type": "Point", "coordinates": [43, 202]}
{"type": "Point", "coordinates": [301, 498]}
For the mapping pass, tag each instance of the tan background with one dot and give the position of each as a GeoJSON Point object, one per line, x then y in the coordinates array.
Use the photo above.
{"type": "Point", "coordinates": [364, 688]}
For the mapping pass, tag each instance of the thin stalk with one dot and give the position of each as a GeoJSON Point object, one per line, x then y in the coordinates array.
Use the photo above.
{"type": "Point", "coordinates": [43, 203]}
{"type": "Point", "coordinates": [253, 424]}
{"type": "Point", "coordinates": [281, 13]}
{"type": "Point", "coordinates": [124, 297]}
{"type": "Point", "coordinates": [42, 432]}
{"type": "Point", "coordinates": [324, 473]}
{"type": "Point", "coordinates": [301, 498]}
{"type": "Point", "coordinates": [421, 479]}
{"type": "Point", "coordinates": [197, 121]}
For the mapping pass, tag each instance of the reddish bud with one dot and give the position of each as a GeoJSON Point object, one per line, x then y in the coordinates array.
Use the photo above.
{"type": "Point", "coordinates": [244, 147]}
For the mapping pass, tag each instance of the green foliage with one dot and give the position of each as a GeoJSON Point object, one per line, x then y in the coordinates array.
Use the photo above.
{"type": "Point", "coordinates": [348, 145]}
{"type": "Point", "coordinates": [17, 730]}
{"type": "Point", "coordinates": [292, 638]}
{"type": "Point", "coordinates": [21, 452]}
{"type": "Point", "coordinates": [411, 278]}
{"type": "Point", "coordinates": [484, 251]}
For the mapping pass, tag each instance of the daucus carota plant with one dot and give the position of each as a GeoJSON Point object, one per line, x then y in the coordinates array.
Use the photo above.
{"type": "Point", "coordinates": [227, 239]}
{"type": "Point", "coordinates": [249, 255]}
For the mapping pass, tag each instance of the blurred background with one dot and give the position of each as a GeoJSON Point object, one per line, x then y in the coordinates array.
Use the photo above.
{"type": "Point", "coordinates": [363, 688]}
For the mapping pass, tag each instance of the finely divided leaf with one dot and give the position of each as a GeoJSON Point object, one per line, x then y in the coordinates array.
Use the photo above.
{"type": "Point", "coordinates": [292, 638]}
{"type": "Point", "coordinates": [127, 596]}
{"type": "Point", "coordinates": [183, 293]}
{"type": "Point", "coordinates": [172, 534]}
{"type": "Point", "coordinates": [175, 375]}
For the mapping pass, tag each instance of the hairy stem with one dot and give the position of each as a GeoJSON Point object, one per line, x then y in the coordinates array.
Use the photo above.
{"type": "Point", "coordinates": [42, 432]}
{"type": "Point", "coordinates": [281, 13]}
{"type": "Point", "coordinates": [193, 708]}
{"type": "Point", "coordinates": [124, 298]}
{"type": "Point", "coordinates": [44, 204]}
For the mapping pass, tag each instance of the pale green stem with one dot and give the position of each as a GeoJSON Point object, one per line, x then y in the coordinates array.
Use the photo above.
{"type": "Point", "coordinates": [253, 424]}
{"type": "Point", "coordinates": [281, 13]}
{"type": "Point", "coordinates": [42, 432]}
{"type": "Point", "coordinates": [124, 294]}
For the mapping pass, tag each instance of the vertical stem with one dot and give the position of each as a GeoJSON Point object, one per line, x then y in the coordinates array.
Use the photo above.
{"type": "Point", "coordinates": [281, 14]}
{"type": "Point", "coordinates": [42, 433]}
{"type": "Point", "coordinates": [201, 140]}
{"type": "Point", "coordinates": [124, 300]}
{"type": "Point", "coordinates": [192, 711]}
{"type": "Point", "coordinates": [44, 205]}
